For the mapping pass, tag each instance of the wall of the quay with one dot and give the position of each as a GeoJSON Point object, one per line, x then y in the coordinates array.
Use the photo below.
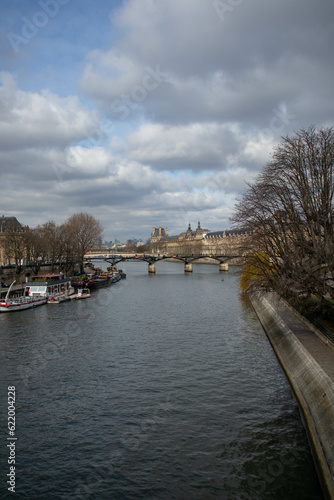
{"type": "Point", "coordinates": [313, 388]}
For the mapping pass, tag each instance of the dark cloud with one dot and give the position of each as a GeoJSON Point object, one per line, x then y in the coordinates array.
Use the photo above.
{"type": "Point", "coordinates": [237, 68]}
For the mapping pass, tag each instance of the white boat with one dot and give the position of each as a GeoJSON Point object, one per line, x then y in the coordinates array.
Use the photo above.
{"type": "Point", "coordinates": [59, 300]}
{"type": "Point", "coordinates": [21, 302]}
{"type": "Point", "coordinates": [39, 290]}
{"type": "Point", "coordinates": [83, 293]}
{"type": "Point", "coordinates": [54, 287]}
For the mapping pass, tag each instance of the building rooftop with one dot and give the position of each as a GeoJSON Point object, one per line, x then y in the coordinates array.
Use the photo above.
{"type": "Point", "coordinates": [227, 232]}
{"type": "Point", "coordinates": [9, 223]}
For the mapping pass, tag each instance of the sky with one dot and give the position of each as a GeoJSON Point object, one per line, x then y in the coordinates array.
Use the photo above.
{"type": "Point", "coordinates": [148, 113]}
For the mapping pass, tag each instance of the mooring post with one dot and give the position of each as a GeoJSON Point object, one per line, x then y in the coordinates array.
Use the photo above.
{"type": "Point", "coordinates": [151, 268]}
{"type": "Point", "coordinates": [223, 266]}
{"type": "Point", "coordinates": [188, 268]}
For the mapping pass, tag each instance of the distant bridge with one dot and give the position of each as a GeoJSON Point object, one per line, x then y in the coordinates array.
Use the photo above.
{"type": "Point", "coordinates": [152, 259]}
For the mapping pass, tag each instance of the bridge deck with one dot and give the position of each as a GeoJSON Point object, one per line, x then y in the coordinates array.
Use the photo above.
{"type": "Point", "coordinates": [152, 258]}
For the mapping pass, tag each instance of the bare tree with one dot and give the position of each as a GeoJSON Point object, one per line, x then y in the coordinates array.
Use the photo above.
{"type": "Point", "coordinates": [290, 210]}
{"type": "Point", "coordinates": [36, 249]}
{"type": "Point", "coordinates": [145, 247]}
{"type": "Point", "coordinates": [15, 246]}
{"type": "Point", "coordinates": [82, 231]}
{"type": "Point", "coordinates": [67, 256]}
{"type": "Point", "coordinates": [52, 235]}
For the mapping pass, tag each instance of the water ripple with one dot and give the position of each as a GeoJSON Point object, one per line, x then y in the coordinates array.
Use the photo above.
{"type": "Point", "coordinates": [165, 389]}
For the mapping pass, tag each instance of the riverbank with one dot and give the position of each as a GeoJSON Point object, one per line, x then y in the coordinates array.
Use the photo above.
{"type": "Point", "coordinates": [309, 366]}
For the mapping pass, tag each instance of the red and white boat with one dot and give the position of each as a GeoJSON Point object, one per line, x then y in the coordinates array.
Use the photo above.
{"type": "Point", "coordinates": [39, 290]}
{"type": "Point", "coordinates": [21, 302]}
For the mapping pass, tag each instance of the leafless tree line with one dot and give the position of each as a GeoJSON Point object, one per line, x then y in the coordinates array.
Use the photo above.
{"type": "Point", "coordinates": [289, 209]}
{"type": "Point", "coordinates": [59, 245]}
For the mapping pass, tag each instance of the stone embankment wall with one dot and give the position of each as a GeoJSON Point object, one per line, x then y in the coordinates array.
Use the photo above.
{"type": "Point", "coordinates": [313, 388]}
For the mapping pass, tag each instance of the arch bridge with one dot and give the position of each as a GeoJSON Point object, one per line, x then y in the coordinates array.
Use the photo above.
{"type": "Point", "coordinates": [152, 259]}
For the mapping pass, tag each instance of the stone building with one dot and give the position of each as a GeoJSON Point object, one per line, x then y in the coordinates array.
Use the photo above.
{"type": "Point", "coordinates": [228, 242]}
{"type": "Point", "coordinates": [158, 233]}
{"type": "Point", "coordinates": [7, 224]}
{"type": "Point", "coordinates": [160, 240]}
{"type": "Point", "coordinates": [199, 241]}
{"type": "Point", "coordinates": [197, 234]}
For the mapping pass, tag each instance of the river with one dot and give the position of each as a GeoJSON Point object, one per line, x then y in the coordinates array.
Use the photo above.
{"type": "Point", "coordinates": [159, 387]}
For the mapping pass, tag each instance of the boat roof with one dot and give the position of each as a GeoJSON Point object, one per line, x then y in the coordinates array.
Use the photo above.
{"type": "Point", "coordinates": [49, 276]}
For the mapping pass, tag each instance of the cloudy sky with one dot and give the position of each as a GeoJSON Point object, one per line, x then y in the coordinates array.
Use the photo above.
{"type": "Point", "coordinates": [153, 112]}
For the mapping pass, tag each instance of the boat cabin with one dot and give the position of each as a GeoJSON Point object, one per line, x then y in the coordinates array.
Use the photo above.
{"type": "Point", "coordinates": [48, 285]}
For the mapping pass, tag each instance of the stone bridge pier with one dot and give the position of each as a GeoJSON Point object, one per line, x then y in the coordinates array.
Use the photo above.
{"type": "Point", "coordinates": [188, 267]}
{"type": "Point", "coordinates": [151, 268]}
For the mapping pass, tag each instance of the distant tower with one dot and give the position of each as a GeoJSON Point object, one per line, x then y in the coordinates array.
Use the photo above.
{"type": "Point", "coordinates": [199, 225]}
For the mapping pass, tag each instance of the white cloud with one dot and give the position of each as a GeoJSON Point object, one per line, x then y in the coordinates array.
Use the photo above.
{"type": "Point", "coordinates": [195, 146]}
{"type": "Point", "coordinates": [175, 114]}
{"type": "Point", "coordinates": [31, 119]}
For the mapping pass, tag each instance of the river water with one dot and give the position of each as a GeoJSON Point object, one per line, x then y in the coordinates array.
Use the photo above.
{"type": "Point", "coordinates": [160, 387]}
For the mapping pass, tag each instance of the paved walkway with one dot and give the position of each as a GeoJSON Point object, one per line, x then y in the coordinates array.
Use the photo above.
{"type": "Point", "coordinates": [318, 349]}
